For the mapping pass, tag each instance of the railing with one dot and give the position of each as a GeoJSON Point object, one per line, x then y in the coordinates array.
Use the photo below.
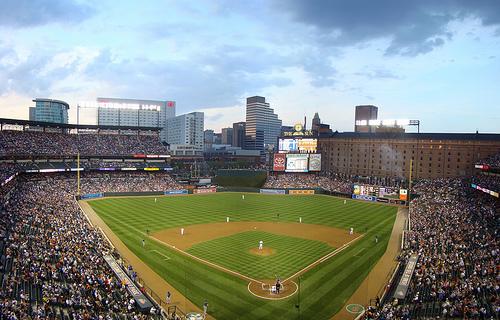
{"type": "Point", "coordinates": [164, 306]}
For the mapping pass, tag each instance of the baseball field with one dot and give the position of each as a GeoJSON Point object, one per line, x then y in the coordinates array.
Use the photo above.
{"type": "Point", "coordinates": [307, 243]}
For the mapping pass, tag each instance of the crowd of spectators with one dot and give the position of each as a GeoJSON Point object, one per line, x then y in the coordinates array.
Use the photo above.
{"type": "Point", "coordinates": [493, 161]}
{"type": "Point", "coordinates": [454, 232]}
{"type": "Point", "coordinates": [490, 182]}
{"type": "Point", "coordinates": [308, 180]}
{"type": "Point", "coordinates": [95, 182]}
{"type": "Point", "coordinates": [52, 264]}
{"type": "Point", "coordinates": [47, 143]}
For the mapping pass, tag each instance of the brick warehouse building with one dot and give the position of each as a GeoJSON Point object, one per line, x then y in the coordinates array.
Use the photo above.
{"type": "Point", "coordinates": [386, 154]}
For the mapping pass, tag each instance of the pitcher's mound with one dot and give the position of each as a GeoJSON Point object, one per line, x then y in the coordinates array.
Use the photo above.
{"type": "Point", "coordinates": [264, 252]}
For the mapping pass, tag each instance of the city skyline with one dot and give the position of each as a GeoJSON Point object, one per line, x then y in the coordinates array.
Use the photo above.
{"type": "Point", "coordinates": [433, 61]}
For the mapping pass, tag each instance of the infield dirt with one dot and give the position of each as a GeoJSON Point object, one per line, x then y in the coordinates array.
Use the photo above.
{"type": "Point", "coordinates": [195, 234]}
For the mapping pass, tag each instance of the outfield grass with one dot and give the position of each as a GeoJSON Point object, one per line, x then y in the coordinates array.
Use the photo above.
{"type": "Point", "coordinates": [324, 289]}
{"type": "Point", "coordinates": [292, 254]}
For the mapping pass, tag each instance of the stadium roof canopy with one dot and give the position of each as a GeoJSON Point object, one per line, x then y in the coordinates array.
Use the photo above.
{"type": "Point", "coordinates": [19, 122]}
{"type": "Point", "coordinates": [415, 136]}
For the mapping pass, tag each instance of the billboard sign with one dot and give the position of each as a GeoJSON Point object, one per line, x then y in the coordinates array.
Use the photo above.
{"type": "Point", "coordinates": [300, 191]}
{"type": "Point", "coordinates": [403, 194]}
{"type": "Point", "coordinates": [364, 197]}
{"type": "Point", "coordinates": [272, 191]}
{"type": "Point", "coordinates": [308, 145]}
{"type": "Point", "coordinates": [315, 162]}
{"type": "Point", "coordinates": [279, 162]}
{"type": "Point", "coordinates": [205, 190]}
{"type": "Point", "coordinates": [174, 192]}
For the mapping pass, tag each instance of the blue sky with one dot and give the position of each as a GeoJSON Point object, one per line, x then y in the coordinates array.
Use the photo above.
{"type": "Point", "coordinates": [437, 61]}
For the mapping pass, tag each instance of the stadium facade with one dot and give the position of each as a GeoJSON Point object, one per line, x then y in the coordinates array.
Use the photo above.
{"type": "Point", "coordinates": [49, 110]}
{"type": "Point", "coordinates": [133, 112]}
{"type": "Point", "coordinates": [433, 155]}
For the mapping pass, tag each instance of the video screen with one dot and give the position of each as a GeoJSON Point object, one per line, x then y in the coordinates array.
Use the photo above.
{"type": "Point", "coordinates": [308, 145]}
{"type": "Point", "coordinates": [296, 163]}
{"type": "Point", "coordinates": [288, 145]}
{"type": "Point", "coordinates": [300, 145]}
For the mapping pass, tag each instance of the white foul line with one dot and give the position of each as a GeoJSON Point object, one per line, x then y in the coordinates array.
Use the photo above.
{"type": "Point", "coordinates": [161, 254]}
{"type": "Point", "coordinates": [207, 262]}
{"type": "Point", "coordinates": [324, 258]}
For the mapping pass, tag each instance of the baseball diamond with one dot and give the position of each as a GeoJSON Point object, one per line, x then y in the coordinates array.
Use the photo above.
{"type": "Point", "coordinates": [219, 260]}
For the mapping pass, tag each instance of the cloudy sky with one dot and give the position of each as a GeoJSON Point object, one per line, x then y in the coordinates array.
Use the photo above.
{"type": "Point", "coordinates": [433, 60]}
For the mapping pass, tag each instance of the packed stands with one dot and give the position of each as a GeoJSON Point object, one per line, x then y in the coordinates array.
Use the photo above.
{"type": "Point", "coordinates": [127, 182]}
{"type": "Point", "coordinates": [454, 231]}
{"type": "Point", "coordinates": [306, 180]}
{"type": "Point", "coordinates": [34, 143]}
{"type": "Point", "coordinates": [493, 161]}
{"type": "Point", "coordinates": [52, 263]}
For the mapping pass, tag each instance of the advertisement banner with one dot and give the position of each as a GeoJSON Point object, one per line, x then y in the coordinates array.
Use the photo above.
{"type": "Point", "coordinates": [403, 194]}
{"type": "Point", "coordinates": [151, 169]}
{"type": "Point", "coordinates": [315, 162]}
{"type": "Point", "coordinates": [300, 191]}
{"type": "Point", "coordinates": [490, 192]}
{"type": "Point", "coordinates": [404, 283]}
{"type": "Point", "coordinates": [91, 196]}
{"type": "Point", "coordinates": [142, 302]}
{"type": "Point", "coordinates": [279, 162]}
{"type": "Point", "coordinates": [173, 192]}
{"type": "Point", "coordinates": [357, 189]}
{"type": "Point", "coordinates": [272, 191]}
{"type": "Point", "coordinates": [364, 197]}
{"type": "Point", "coordinates": [204, 190]}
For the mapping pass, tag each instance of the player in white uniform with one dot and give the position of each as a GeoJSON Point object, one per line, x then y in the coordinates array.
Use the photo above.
{"type": "Point", "coordinates": [182, 231]}
{"type": "Point", "coordinates": [261, 245]}
{"type": "Point", "coordinates": [351, 231]}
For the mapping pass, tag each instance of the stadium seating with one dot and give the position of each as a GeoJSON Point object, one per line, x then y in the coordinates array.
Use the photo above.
{"type": "Point", "coordinates": [51, 260]}
{"type": "Point", "coordinates": [29, 143]}
{"type": "Point", "coordinates": [454, 232]}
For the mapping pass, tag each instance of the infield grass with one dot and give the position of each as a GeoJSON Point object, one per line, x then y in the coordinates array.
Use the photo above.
{"type": "Point", "coordinates": [324, 289]}
{"type": "Point", "coordinates": [233, 252]}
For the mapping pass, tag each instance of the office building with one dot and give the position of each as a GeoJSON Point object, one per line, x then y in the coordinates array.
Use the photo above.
{"type": "Point", "coordinates": [363, 115]}
{"type": "Point", "coordinates": [262, 125]}
{"type": "Point", "coordinates": [137, 113]}
{"type": "Point", "coordinates": [318, 128]}
{"type": "Point", "coordinates": [227, 136]}
{"type": "Point", "coordinates": [208, 139]}
{"type": "Point", "coordinates": [185, 134]}
{"type": "Point", "coordinates": [388, 154]}
{"type": "Point", "coordinates": [239, 129]}
{"type": "Point", "coordinates": [49, 110]}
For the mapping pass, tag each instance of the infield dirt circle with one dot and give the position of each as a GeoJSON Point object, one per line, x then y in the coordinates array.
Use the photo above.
{"type": "Point", "coordinates": [264, 252]}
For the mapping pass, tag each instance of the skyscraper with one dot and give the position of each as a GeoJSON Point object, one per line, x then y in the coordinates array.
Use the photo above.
{"type": "Point", "coordinates": [49, 110]}
{"type": "Point", "coordinates": [262, 125]}
{"type": "Point", "coordinates": [316, 122]}
{"type": "Point", "coordinates": [239, 129]}
{"type": "Point", "coordinates": [227, 136]}
{"type": "Point", "coordinates": [363, 115]}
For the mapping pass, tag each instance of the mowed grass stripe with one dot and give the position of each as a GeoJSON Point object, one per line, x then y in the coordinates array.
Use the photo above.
{"type": "Point", "coordinates": [323, 288]}
{"type": "Point", "coordinates": [292, 254]}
